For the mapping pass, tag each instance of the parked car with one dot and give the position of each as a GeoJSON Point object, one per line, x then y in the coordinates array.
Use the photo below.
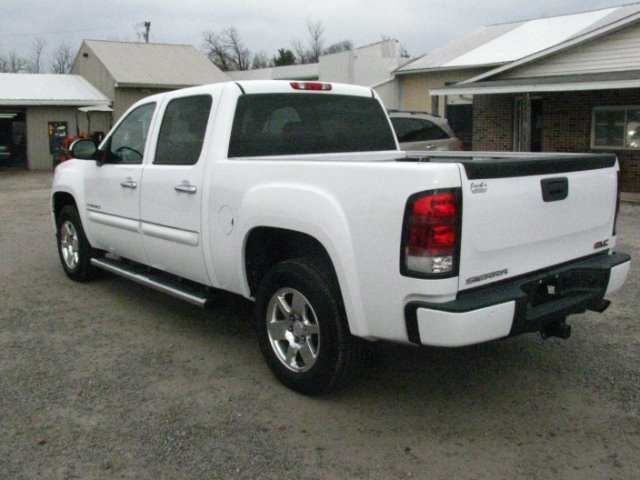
{"type": "Point", "coordinates": [423, 131]}
{"type": "Point", "coordinates": [5, 153]}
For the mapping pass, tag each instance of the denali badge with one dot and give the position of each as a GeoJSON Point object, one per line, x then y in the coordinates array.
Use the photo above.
{"type": "Point", "coordinates": [601, 244]}
{"type": "Point", "coordinates": [487, 276]}
{"type": "Point", "coordinates": [478, 187]}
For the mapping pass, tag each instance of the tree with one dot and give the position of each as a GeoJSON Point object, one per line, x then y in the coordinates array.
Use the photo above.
{"type": "Point", "coordinates": [315, 40]}
{"type": "Point", "coordinates": [285, 57]}
{"type": "Point", "coordinates": [35, 62]}
{"type": "Point", "coordinates": [260, 60]}
{"type": "Point", "coordinates": [226, 50]}
{"type": "Point", "coordinates": [343, 46]}
{"type": "Point", "coordinates": [62, 59]}
{"type": "Point", "coordinates": [315, 43]}
{"type": "Point", "coordinates": [12, 63]}
{"type": "Point", "coordinates": [302, 54]}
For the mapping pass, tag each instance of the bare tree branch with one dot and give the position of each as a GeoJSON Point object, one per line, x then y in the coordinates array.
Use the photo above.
{"type": "Point", "coordinates": [216, 51]}
{"type": "Point", "coordinates": [302, 54]}
{"type": "Point", "coordinates": [61, 59]}
{"type": "Point", "coordinates": [260, 60]}
{"type": "Point", "coordinates": [310, 53]}
{"type": "Point", "coordinates": [35, 62]}
{"type": "Point", "coordinates": [12, 63]}
{"type": "Point", "coordinates": [226, 50]}
{"type": "Point", "coordinates": [240, 55]}
{"type": "Point", "coordinates": [316, 40]}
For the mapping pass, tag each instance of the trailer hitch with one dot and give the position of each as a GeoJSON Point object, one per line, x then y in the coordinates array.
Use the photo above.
{"type": "Point", "coordinates": [557, 328]}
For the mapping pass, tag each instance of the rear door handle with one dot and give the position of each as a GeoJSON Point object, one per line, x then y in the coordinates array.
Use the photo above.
{"type": "Point", "coordinates": [129, 183]}
{"type": "Point", "coordinates": [186, 187]}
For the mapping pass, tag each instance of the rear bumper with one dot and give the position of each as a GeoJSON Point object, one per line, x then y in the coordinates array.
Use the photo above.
{"type": "Point", "coordinates": [525, 304]}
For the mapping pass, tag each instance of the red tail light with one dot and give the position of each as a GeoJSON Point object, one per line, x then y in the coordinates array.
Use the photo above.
{"type": "Point", "coordinates": [314, 86]}
{"type": "Point", "coordinates": [431, 234]}
{"type": "Point", "coordinates": [618, 195]}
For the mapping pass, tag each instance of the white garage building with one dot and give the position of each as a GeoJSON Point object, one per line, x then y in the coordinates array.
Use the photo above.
{"type": "Point", "coordinates": [37, 111]}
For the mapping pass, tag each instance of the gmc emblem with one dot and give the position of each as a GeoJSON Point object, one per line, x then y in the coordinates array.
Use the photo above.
{"type": "Point", "coordinates": [601, 244]}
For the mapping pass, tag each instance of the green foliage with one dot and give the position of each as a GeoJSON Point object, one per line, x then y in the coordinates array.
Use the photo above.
{"type": "Point", "coordinates": [284, 57]}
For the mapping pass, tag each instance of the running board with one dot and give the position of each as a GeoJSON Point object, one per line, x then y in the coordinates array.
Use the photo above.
{"type": "Point", "coordinates": [163, 282]}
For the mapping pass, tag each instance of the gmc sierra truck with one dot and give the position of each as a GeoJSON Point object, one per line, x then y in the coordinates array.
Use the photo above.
{"type": "Point", "coordinates": [295, 195]}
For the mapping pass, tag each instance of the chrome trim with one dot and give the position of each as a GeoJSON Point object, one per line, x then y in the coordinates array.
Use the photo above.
{"type": "Point", "coordinates": [129, 183]}
{"type": "Point", "coordinates": [193, 299]}
{"type": "Point", "coordinates": [186, 187]}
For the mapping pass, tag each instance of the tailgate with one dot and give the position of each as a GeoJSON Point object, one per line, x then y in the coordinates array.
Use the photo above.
{"type": "Point", "coordinates": [525, 214]}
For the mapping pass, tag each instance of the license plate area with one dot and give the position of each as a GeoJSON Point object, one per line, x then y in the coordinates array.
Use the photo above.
{"type": "Point", "coordinates": [563, 292]}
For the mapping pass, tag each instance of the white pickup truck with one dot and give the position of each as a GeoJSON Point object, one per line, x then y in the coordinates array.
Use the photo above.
{"type": "Point", "coordinates": [295, 195]}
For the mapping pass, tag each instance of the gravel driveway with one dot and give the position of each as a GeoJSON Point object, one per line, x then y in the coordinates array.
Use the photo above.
{"type": "Point", "coordinates": [111, 380]}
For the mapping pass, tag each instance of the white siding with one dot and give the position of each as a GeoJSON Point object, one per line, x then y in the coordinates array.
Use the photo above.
{"type": "Point", "coordinates": [619, 51]}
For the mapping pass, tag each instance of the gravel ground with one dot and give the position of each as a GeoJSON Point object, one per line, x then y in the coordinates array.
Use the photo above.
{"type": "Point", "coordinates": [112, 380]}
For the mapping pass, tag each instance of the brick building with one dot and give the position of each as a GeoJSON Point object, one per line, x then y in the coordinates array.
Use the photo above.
{"type": "Point", "coordinates": [582, 95]}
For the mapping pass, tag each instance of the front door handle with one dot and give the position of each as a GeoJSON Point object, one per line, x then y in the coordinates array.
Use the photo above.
{"type": "Point", "coordinates": [186, 187]}
{"type": "Point", "coordinates": [129, 183]}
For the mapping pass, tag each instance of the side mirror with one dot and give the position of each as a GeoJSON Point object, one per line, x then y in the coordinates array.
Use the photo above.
{"type": "Point", "coordinates": [84, 149]}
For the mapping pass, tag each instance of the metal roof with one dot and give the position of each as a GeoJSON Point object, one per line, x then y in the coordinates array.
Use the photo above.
{"type": "Point", "coordinates": [500, 44]}
{"type": "Point", "coordinates": [29, 89]}
{"type": "Point", "coordinates": [600, 81]}
{"type": "Point", "coordinates": [155, 64]}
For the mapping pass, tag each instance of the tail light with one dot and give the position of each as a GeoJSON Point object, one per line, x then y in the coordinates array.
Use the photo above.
{"type": "Point", "coordinates": [618, 195]}
{"type": "Point", "coordinates": [431, 234]}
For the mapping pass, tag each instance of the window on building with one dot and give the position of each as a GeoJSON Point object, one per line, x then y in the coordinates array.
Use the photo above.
{"type": "Point", "coordinates": [182, 131]}
{"type": "Point", "coordinates": [616, 127]}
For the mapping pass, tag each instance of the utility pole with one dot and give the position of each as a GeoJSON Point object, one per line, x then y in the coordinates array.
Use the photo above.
{"type": "Point", "coordinates": [147, 27]}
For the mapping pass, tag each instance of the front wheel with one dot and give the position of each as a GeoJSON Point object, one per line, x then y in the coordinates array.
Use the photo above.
{"type": "Point", "coordinates": [73, 247]}
{"type": "Point", "coordinates": [302, 328]}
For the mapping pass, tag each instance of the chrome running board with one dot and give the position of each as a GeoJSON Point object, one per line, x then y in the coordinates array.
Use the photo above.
{"type": "Point", "coordinates": [163, 282]}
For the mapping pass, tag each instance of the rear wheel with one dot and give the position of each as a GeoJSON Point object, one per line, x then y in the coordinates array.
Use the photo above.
{"type": "Point", "coordinates": [73, 247]}
{"type": "Point", "coordinates": [302, 328]}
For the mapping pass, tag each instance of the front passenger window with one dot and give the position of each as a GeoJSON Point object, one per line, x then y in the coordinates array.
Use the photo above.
{"type": "Point", "coordinates": [126, 145]}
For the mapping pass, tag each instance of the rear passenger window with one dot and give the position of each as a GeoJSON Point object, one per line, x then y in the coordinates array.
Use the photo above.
{"type": "Point", "coordinates": [182, 131]}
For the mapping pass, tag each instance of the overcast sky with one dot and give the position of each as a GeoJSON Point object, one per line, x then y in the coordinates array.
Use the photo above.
{"type": "Point", "coordinates": [266, 25]}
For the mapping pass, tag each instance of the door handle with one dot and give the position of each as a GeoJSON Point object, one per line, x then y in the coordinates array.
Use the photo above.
{"type": "Point", "coordinates": [186, 187]}
{"type": "Point", "coordinates": [129, 183]}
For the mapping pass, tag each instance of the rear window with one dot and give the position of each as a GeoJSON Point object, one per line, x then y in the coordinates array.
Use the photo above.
{"type": "Point", "coordinates": [289, 124]}
{"type": "Point", "coordinates": [417, 130]}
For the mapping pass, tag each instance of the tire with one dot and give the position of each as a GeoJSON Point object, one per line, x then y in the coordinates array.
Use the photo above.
{"type": "Point", "coordinates": [302, 327]}
{"type": "Point", "coordinates": [74, 249]}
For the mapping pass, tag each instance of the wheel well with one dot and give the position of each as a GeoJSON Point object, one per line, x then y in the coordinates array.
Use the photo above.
{"type": "Point", "coordinates": [268, 246]}
{"type": "Point", "coordinates": [61, 200]}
